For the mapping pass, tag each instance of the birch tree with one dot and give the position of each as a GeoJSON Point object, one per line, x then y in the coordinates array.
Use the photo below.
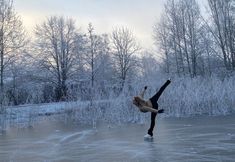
{"type": "Point", "coordinates": [222, 14]}
{"type": "Point", "coordinates": [179, 36]}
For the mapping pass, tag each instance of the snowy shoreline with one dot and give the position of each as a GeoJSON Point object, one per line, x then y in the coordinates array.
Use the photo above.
{"type": "Point", "coordinates": [116, 111]}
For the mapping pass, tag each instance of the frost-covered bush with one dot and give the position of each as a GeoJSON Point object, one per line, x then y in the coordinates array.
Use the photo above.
{"type": "Point", "coordinates": [187, 96]}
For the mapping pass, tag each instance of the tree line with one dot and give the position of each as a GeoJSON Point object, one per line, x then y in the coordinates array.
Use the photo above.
{"type": "Point", "coordinates": [194, 43]}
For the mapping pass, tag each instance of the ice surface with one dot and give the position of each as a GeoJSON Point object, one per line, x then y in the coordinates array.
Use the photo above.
{"type": "Point", "coordinates": [175, 139]}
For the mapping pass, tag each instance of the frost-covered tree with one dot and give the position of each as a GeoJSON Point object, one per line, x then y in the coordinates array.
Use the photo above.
{"type": "Point", "coordinates": [179, 36]}
{"type": "Point", "coordinates": [223, 29]}
{"type": "Point", "coordinates": [57, 51]}
{"type": "Point", "coordinates": [96, 61]}
{"type": "Point", "coordinates": [124, 49]}
{"type": "Point", "coordinates": [12, 36]}
{"type": "Point", "coordinates": [97, 50]}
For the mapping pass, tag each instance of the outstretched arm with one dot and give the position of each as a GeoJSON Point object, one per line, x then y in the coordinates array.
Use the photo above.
{"type": "Point", "coordinates": [143, 92]}
{"type": "Point", "coordinates": [150, 109]}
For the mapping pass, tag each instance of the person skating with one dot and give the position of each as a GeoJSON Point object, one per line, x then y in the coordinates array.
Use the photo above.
{"type": "Point", "coordinates": [150, 105]}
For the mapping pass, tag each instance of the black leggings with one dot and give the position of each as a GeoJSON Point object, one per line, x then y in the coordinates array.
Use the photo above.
{"type": "Point", "coordinates": [154, 100]}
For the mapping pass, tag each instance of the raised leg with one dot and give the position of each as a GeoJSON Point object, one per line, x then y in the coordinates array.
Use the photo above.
{"type": "Point", "coordinates": [155, 98]}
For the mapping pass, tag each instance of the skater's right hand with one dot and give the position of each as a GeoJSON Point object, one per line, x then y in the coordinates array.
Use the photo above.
{"type": "Point", "coordinates": [160, 111]}
{"type": "Point", "coordinates": [145, 87]}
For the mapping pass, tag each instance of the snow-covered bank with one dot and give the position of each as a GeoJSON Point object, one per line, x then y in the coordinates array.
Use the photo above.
{"type": "Point", "coordinates": [111, 112]}
{"type": "Point", "coordinates": [27, 115]}
{"type": "Point", "coordinates": [183, 98]}
{"type": "Point", "coordinates": [88, 112]}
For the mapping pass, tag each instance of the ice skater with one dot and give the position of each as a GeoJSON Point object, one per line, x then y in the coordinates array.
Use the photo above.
{"type": "Point", "coordinates": [150, 105]}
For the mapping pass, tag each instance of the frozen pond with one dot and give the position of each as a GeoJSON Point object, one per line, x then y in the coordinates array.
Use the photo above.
{"type": "Point", "coordinates": [176, 139]}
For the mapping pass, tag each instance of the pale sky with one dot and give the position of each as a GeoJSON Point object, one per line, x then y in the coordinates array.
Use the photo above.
{"type": "Point", "coordinates": [138, 15]}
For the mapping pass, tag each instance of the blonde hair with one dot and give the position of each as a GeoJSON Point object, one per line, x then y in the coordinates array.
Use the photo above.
{"type": "Point", "coordinates": [138, 101]}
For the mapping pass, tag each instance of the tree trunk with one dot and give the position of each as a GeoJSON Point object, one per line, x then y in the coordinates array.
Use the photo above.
{"type": "Point", "coordinates": [2, 69]}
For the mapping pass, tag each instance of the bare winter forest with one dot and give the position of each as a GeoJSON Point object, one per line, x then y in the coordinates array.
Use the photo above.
{"type": "Point", "coordinates": [60, 62]}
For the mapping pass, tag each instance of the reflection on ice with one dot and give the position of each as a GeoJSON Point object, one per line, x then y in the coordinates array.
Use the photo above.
{"type": "Point", "coordinates": [75, 136]}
